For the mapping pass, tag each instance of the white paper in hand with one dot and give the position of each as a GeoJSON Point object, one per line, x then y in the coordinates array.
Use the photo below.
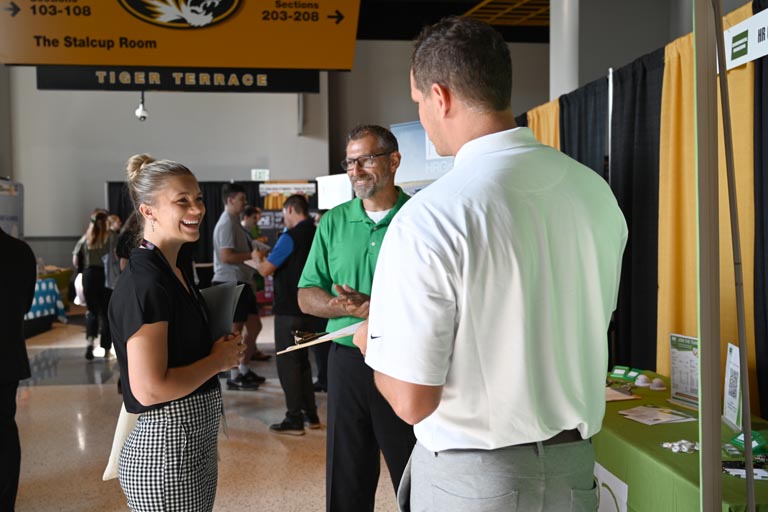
{"type": "Point", "coordinates": [344, 331]}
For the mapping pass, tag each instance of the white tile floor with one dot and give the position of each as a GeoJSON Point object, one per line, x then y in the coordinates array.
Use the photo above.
{"type": "Point", "coordinates": [67, 418]}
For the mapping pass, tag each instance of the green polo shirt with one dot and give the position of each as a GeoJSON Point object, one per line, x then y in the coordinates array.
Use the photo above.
{"type": "Point", "coordinates": [344, 251]}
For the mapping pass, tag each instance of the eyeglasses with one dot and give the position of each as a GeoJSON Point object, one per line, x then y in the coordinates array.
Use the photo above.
{"type": "Point", "coordinates": [365, 161]}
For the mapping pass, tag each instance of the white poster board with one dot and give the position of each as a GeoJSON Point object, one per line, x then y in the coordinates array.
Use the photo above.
{"type": "Point", "coordinates": [684, 369]}
{"type": "Point", "coordinates": [611, 491]}
{"type": "Point", "coordinates": [333, 190]}
{"type": "Point", "coordinates": [732, 389]}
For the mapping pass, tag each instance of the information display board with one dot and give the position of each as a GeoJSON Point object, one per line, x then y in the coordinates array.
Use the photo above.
{"type": "Point", "coordinates": [12, 208]}
{"type": "Point", "coordinates": [278, 34]}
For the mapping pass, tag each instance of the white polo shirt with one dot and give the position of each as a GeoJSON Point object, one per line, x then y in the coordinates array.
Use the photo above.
{"type": "Point", "coordinates": [497, 282]}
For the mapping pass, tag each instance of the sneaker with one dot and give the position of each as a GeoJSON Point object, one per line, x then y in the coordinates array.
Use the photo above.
{"type": "Point", "coordinates": [251, 376]}
{"type": "Point", "coordinates": [241, 384]}
{"type": "Point", "coordinates": [319, 388]}
{"type": "Point", "coordinates": [289, 426]}
{"type": "Point", "coordinates": [313, 420]}
{"type": "Point", "coordinates": [258, 355]}
{"type": "Point", "coordinates": [99, 352]}
{"type": "Point", "coordinates": [89, 352]}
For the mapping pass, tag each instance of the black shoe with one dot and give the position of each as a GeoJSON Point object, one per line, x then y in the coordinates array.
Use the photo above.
{"type": "Point", "coordinates": [319, 388]}
{"type": "Point", "coordinates": [239, 383]}
{"type": "Point", "coordinates": [313, 420]}
{"type": "Point", "coordinates": [89, 352]}
{"type": "Point", "coordinates": [258, 355]}
{"type": "Point", "coordinates": [251, 376]}
{"type": "Point", "coordinates": [289, 426]}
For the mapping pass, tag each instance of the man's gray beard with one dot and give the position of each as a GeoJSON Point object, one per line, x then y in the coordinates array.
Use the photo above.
{"type": "Point", "coordinates": [365, 194]}
{"type": "Point", "coordinates": [372, 189]}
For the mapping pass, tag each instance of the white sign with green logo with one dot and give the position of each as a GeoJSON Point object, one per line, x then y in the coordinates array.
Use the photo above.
{"type": "Point", "coordinates": [747, 41]}
{"type": "Point", "coordinates": [684, 369]}
{"type": "Point", "coordinates": [612, 492]}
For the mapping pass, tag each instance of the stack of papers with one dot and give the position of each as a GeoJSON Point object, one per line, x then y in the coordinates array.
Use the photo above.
{"type": "Point", "coordinates": [654, 415]}
{"type": "Point", "coordinates": [613, 395]}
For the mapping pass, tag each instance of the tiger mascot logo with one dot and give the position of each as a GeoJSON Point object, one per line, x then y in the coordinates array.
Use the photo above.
{"type": "Point", "coordinates": [181, 13]}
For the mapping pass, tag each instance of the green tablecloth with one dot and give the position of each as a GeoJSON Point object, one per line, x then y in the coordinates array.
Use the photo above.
{"type": "Point", "coordinates": [659, 479]}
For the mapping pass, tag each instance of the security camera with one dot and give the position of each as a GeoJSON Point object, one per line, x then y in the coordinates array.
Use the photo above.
{"type": "Point", "coordinates": [141, 112]}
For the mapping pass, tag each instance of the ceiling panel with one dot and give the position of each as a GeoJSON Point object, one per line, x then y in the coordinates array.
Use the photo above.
{"type": "Point", "coordinates": [517, 20]}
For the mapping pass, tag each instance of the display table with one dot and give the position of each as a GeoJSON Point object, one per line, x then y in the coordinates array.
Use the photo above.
{"type": "Point", "coordinates": [62, 277]}
{"type": "Point", "coordinates": [657, 478]}
{"type": "Point", "coordinates": [47, 306]}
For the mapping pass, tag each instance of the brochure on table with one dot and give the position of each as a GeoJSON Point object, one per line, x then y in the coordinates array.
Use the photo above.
{"type": "Point", "coordinates": [654, 415]}
{"type": "Point", "coordinates": [684, 362]}
{"type": "Point", "coordinates": [732, 389]}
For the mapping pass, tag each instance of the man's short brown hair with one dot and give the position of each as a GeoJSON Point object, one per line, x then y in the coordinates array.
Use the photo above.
{"type": "Point", "coordinates": [386, 139]}
{"type": "Point", "coordinates": [468, 57]}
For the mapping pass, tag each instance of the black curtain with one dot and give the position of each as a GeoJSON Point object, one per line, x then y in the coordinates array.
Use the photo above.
{"type": "Point", "coordinates": [202, 250]}
{"type": "Point", "coordinates": [634, 178]}
{"type": "Point", "coordinates": [583, 125]}
{"type": "Point", "coordinates": [761, 221]}
{"type": "Point", "coordinates": [119, 202]}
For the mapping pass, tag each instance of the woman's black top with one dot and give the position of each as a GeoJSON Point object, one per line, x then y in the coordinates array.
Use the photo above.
{"type": "Point", "coordinates": [148, 291]}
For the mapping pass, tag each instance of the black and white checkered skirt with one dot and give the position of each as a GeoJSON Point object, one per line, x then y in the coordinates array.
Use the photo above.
{"type": "Point", "coordinates": [169, 461]}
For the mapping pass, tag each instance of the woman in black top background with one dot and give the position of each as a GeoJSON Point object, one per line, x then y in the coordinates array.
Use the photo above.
{"type": "Point", "coordinates": [168, 361]}
{"type": "Point", "coordinates": [88, 254]}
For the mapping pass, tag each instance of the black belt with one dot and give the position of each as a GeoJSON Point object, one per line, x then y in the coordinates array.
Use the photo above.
{"type": "Point", "coordinates": [566, 436]}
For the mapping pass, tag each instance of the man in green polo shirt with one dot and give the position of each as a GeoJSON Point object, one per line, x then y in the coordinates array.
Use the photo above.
{"type": "Point", "coordinates": [336, 284]}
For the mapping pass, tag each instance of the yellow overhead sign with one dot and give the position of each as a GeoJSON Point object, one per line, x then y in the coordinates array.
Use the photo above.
{"type": "Point", "coordinates": [297, 34]}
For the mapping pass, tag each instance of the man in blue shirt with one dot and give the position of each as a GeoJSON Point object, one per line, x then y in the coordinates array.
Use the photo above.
{"type": "Point", "coordinates": [285, 263]}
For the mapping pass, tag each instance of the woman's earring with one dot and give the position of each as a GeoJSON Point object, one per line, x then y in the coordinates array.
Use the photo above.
{"type": "Point", "coordinates": [153, 226]}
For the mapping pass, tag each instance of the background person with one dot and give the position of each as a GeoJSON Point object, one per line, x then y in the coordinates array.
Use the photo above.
{"type": "Point", "coordinates": [112, 270]}
{"type": "Point", "coordinates": [168, 359]}
{"type": "Point", "coordinates": [285, 263]}
{"type": "Point", "coordinates": [250, 222]}
{"type": "Point", "coordinates": [18, 274]}
{"type": "Point", "coordinates": [231, 247]}
{"type": "Point", "coordinates": [492, 297]}
{"type": "Point", "coordinates": [92, 247]}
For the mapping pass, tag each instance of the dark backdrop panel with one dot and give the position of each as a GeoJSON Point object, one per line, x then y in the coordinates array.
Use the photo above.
{"type": "Point", "coordinates": [119, 202]}
{"type": "Point", "coordinates": [761, 221]}
{"type": "Point", "coordinates": [634, 168]}
{"type": "Point", "coordinates": [583, 125]}
{"type": "Point", "coordinates": [202, 250]}
{"type": "Point", "coordinates": [522, 119]}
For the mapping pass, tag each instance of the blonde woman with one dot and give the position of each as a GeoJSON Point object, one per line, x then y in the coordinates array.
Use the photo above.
{"type": "Point", "coordinates": [168, 360]}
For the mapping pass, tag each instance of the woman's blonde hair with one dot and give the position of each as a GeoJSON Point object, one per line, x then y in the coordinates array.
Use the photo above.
{"type": "Point", "coordinates": [145, 176]}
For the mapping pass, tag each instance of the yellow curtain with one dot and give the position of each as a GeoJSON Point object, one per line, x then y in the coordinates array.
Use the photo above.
{"type": "Point", "coordinates": [678, 281]}
{"type": "Point", "coordinates": [544, 122]}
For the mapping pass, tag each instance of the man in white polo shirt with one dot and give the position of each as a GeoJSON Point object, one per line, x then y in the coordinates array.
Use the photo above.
{"type": "Point", "coordinates": [492, 297]}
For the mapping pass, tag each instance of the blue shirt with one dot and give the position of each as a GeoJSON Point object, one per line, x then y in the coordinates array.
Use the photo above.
{"type": "Point", "coordinates": [281, 251]}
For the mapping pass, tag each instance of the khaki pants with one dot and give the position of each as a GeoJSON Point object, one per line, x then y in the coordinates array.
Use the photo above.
{"type": "Point", "coordinates": [548, 478]}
